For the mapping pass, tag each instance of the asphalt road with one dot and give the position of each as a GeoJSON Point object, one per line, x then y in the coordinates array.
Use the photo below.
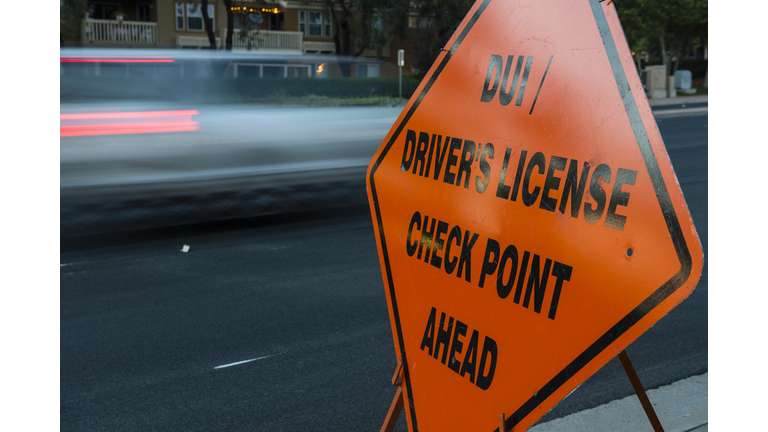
{"type": "Point", "coordinates": [150, 335]}
{"type": "Point", "coordinates": [678, 106]}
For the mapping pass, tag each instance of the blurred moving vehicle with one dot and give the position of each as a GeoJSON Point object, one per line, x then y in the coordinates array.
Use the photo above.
{"type": "Point", "coordinates": [144, 146]}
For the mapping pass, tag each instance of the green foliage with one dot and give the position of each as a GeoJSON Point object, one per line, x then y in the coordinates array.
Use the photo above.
{"type": "Point", "coordinates": [71, 17]}
{"type": "Point", "coordinates": [371, 24]}
{"type": "Point", "coordinates": [698, 68]}
{"type": "Point", "coordinates": [259, 88]}
{"type": "Point", "coordinates": [700, 89]}
{"type": "Point", "coordinates": [325, 101]}
{"type": "Point", "coordinates": [227, 90]}
{"type": "Point", "coordinates": [440, 19]}
{"type": "Point", "coordinates": [359, 25]}
{"type": "Point", "coordinates": [664, 28]}
{"type": "Point", "coordinates": [418, 76]}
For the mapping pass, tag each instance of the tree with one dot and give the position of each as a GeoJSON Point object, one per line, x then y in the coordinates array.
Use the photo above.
{"type": "Point", "coordinates": [230, 25]}
{"type": "Point", "coordinates": [671, 23]}
{"type": "Point", "coordinates": [348, 17]}
{"type": "Point", "coordinates": [218, 67]}
{"type": "Point", "coordinates": [208, 24]}
{"type": "Point", "coordinates": [634, 29]}
{"type": "Point", "coordinates": [691, 26]}
{"type": "Point", "coordinates": [359, 25]}
{"type": "Point", "coordinates": [71, 14]}
{"type": "Point", "coordinates": [437, 20]}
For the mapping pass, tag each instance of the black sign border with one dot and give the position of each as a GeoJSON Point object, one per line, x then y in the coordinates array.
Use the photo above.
{"type": "Point", "coordinates": [662, 194]}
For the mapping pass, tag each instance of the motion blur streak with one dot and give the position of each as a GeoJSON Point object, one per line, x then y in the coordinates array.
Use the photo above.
{"type": "Point", "coordinates": [161, 127]}
{"type": "Point", "coordinates": [116, 61]}
{"type": "Point", "coordinates": [153, 144]}
{"type": "Point", "coordinates": [125, 115]}
{"type": "Point", "coordinates": [117, 57]}
{"type": "Point", "coordinates": [156, 122]}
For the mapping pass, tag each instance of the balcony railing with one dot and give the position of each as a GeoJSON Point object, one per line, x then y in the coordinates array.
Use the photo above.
{"type": "Point", "coordinates": [120, 31]}
{"type": "Point", "coordinates": [266, 40]}
{"type": "Point", "coordinates": [320, 47]}
{"type": "Point", "coordinates": [195, 41]}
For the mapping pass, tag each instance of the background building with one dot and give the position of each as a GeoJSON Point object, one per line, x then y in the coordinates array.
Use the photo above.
{"type": "Point", "coordinates": [291, 29]}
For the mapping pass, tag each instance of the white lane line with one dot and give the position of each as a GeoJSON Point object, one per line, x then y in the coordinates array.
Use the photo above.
{"type": "Point", "coordinates": [245, 361]}
{"type": "Point", "coordinates": [68, 264]}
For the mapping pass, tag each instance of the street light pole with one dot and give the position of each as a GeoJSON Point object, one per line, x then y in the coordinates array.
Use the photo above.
{"type": "Point", "coordinates": [400, 63]}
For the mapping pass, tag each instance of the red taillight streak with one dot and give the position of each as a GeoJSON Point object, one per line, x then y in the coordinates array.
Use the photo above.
{"type": "Point", "coordinates": [117, 122]}
{"type": "Point", "coordinates": [119, 57]}
{"type": "Point", "coordinates": [113, 126]}
{"type": "Point", "coordinates": [127, 115]}
{"type": "Point", "coordinates": [171, 121]}
{"type": "Point", "coordinates": [128, 131]}
{"type": "Point", "coordinates": [113, 61]}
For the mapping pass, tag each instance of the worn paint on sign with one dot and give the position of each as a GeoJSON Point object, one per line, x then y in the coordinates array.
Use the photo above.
{"type": "Point", "coordinates": [529, 222]}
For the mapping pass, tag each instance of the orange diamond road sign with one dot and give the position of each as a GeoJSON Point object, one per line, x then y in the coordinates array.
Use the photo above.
{"type": "Point", "coordinates": [528, 220]}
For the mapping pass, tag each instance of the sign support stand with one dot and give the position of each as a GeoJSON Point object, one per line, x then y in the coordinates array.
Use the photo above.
{"type": "Point", "coordinates": [633, 378]}
{"type": "Point", "coordinates": [397, 402]}
{"type": "Point", "coordinates": [394, 411]}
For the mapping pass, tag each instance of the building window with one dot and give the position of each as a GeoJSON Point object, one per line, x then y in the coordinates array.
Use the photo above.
{"type": "Point", "coordinates": [367, 71]}
{"type": "Point", "coordinates": [315, 23]}
{"type": "Point", "coordinates": [192, 15]}
{"type": "Point", "coordinates": [179, 16]}
{"type": "Point", "coordinates": [255, 70]}
{"type": "Point", "coordinates": [211, 9]}
{"type": "Point", "coordinates": [311, 23]}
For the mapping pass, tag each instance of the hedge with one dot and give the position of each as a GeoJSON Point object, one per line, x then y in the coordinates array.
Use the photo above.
{"type": "Point", "coordinates": [81, 88]}
{"type": "Point", "coordinates": [330, 87]}
{"type": "Point", "coordinates": [698, 68]}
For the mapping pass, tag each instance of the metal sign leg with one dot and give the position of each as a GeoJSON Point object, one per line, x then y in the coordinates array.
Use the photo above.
{"type": "Point", "coordinates": [394, 412]}
{"type": "Point", "coordinates": [397, 402]}
{"type": "Point", "coordinates": [630, 370]}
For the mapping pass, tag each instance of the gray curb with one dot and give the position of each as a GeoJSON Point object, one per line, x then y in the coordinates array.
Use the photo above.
{"type": "Point", "coordinates": [681, 407]}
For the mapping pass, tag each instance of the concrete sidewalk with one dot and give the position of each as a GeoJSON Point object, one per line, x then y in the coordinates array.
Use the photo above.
{"type": "Point", "coordinates": [681, 407]}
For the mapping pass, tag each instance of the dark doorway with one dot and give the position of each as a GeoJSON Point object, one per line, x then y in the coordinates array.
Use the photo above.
{"type": "Point", "coordinates": [277, 21]}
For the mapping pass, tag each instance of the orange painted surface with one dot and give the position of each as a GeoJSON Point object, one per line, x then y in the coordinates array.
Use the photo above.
{"type": "Point", "coordinates": [607, 298]}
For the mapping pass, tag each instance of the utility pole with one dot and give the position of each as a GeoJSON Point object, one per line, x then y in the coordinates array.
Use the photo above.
{"type": "Point", "coordinates": [400, 63]}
